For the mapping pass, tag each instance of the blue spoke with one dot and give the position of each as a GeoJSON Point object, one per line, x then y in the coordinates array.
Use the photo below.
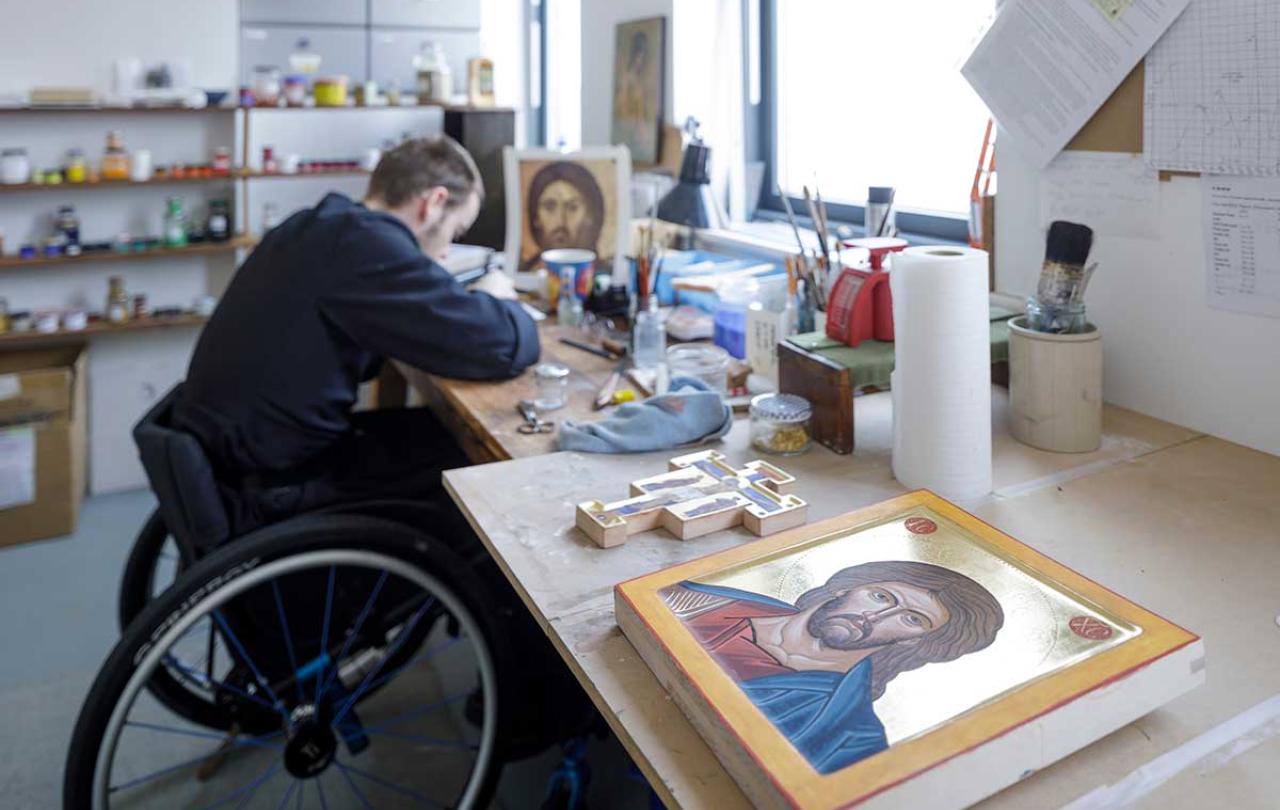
{"type": "Point", "coordinates": [412, 713]}
{"type": "Point", "coordinates": [394, 648]}
{"type": "Point", "coordinates": [207, 735]}
{"type": "Point", "coordinates": [288, 638]}
{"type": "Point", "coordinates": [416, 738]}
{"type": "Point", "coordinates": [427, 655]}
{"type": "Point", "coordinates": [324, 804]}
{"type": "Point", "coordinates": [247, 791]}
{"type": "Point", "coordinates": [226, 628]}
{"type": "Point", "coordinates": [389, 785]}
{"type": "Point", "coordinates": [355, 631]}
{"type": "Point", "coordinates": [355, 791]}
{"type": "Point", "coordinates": [171, 769]}
{"type": "Point", "coordinates": [208, 684]}
{"type": "Point", "coordinates": [292, 787]}
{"type": "Point", "coordinates": [324, 634]}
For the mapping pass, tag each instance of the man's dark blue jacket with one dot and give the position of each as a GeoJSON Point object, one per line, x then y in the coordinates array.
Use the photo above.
{"type": "Point", "coordinates": [316, 309]}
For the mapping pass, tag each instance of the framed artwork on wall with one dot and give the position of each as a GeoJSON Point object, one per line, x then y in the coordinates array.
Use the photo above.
{"type": "Point", "coordinates": [639, 87]}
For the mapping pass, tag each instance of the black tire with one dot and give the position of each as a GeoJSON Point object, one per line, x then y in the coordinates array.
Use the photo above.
{"type": "Point", "coordinates": [295, 536]}
{"type": "Point", "coordinates": [138, 580]}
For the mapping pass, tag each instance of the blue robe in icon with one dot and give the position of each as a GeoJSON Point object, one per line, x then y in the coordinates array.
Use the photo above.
{"type": "Point", "coordinates": [827, 716]}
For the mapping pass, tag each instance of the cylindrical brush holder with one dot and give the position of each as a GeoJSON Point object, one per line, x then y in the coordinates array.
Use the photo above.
{"type": "Point", "coordinates": [1055, 388]}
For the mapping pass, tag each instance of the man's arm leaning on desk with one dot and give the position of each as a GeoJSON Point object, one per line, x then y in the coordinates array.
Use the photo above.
{"type": "Point", "coordinates": [409, 308]}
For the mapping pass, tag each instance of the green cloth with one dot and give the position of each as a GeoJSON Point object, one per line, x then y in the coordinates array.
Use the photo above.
{"type": "Point", "coordinates": [871, 361]}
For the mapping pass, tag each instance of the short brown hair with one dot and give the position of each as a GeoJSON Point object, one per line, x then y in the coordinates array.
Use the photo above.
{"type": "Point", "coordinates": [975, 615]}
{"type": "Point", "coordinates": [419, 164]}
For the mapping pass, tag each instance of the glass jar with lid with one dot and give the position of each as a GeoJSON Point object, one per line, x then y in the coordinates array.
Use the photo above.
{"type": "Point", "coordinates": [15, 167]}
{"type": "Point", "coordinates": [115, 160]}
{"type": "Point", "coordinates": [76, 167]}
{"type": "Point", "coordinates": [118, 303]}
{"type": "Point", "coordinates": [702, 361]}
{"type": "Point", "coordinates": [780, 424]}
{"type": "Point", "coordinates": [552, 381]}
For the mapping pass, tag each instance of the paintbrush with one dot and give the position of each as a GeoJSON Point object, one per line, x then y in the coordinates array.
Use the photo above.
{"type": "Point", "coordinates": [817, 221]}
{"type": "Point", "coordinates": [791, 217]}
{"type": "Point", "coordinates": [883, 230]}
{"type": "Point", "coordinates": [1066, 251]}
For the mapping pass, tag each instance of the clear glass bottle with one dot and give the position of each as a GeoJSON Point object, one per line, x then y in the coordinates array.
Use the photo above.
{"type": "Point", "coordinates": [218, 228]}
{"type": "Point", "coordinates": [569, 306]}
{"type": "Point", "coordinates": [118, 302]}
{"type": "Point", "coordinates": [649, 335]}
{"type": "Point", "coordinates": [76, 169]}
{"type": "Point", "coordinates": [175, 224]}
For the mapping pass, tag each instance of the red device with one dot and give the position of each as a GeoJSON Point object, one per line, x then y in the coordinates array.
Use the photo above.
{"type": "Point", "coordinates": [860, 306]}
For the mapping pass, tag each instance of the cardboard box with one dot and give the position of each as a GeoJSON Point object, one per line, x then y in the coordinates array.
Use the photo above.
{"type": "Point", "coordinates": [42, 442]}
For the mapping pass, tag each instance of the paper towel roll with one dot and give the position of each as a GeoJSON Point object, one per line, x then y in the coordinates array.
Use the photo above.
{"type": "Point", "coordinates": [942, 377]}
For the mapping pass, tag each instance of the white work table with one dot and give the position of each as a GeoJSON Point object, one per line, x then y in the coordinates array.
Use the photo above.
{"type": "Point", "coordinates": [1186, 525]}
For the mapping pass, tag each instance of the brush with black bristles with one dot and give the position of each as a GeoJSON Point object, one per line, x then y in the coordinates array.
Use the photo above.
{"type": "Point", "coordinates": [1065, 255]}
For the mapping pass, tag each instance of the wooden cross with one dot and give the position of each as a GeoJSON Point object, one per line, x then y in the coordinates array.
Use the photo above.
{"type": "Point", "coordinates": [701, 494]}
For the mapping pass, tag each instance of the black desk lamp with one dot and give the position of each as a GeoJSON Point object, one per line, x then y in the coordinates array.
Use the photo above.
{"type": "Point", "coordinates": [691, 202]}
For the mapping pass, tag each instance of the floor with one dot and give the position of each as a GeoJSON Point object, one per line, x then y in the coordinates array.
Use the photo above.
{"type": "Point", "coordinates": [59, 624]}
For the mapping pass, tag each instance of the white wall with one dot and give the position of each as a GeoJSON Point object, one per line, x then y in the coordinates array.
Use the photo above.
{"type": "Point", "coordinates": [1165, 351]}
{"type": "Point", "coordinates": [74, 42]}
{"type": "Point", "coordinates": [599, 17]}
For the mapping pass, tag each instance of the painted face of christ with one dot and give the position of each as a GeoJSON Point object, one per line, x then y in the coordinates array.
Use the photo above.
{"type": "Point", "coordinates": [876, 614]}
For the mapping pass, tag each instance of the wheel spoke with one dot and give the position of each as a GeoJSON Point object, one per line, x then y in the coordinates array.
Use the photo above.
{"type": "Point", "coordinates": [346, 645]}
{"type": "Point", "coordinates": [355, 791]}
{"type": "Point", "coordinates": [207, 684]}
{"type": "Point", "coordinates": [288, 637]}
{"type": "Point", "coordinates": [324, 633]}
{"type": "Point", "coordinates": [173, 768]}
{"type": "Point", "coordinates": [388, 785]}
{"type": "Point", "coordinates": [288, 794]}
{"type": "Point", "coordinates": [245, 793]}
{"type": "Point", "coordinates": [419, 739]}
{"type": "Point", "coordinates": [394, 648]}
{"type": "Point", "coordinates": [427, 655]}
{"type": "Point", "coordinates": [207, 735]}
{"type": "Point", "coordinates": [257, 674]}
{"type": "Point", "coordinates": [418, 712]}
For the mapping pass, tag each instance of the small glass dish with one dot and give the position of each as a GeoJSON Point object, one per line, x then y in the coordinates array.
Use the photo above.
{"type": "Point", "coordinates": [703, 361]}
{"type": "Point", "coordinates": [780, 424]}
{"type": "Point", "coordinates": [552, 381]}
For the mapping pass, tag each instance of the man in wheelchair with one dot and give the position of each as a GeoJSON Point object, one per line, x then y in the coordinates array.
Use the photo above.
{"type": "Point", "coordinates": [333, 634]}
{"type": "Point", "coordinates": [326, 298]}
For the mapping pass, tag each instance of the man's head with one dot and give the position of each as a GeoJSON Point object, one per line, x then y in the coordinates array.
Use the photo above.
{"type": "Point", "coordinates": [909, 613]}
{"type": "Point", "coordinates": [431, 185]}
{"type": "Point", "coordinates": [565, 207]}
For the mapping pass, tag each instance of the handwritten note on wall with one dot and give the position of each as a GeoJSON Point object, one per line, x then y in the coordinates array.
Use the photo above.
{"type": "Point", "coordinates": [1115, 194]}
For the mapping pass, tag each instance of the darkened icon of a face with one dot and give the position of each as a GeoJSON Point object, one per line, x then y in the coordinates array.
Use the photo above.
{"type": "Point", "coordinates": [565, 207]}
{"type": "Point", "coordinates": [639, 59]}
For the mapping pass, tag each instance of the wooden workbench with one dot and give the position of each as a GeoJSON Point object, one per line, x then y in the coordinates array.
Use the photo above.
{"type": "Point", "coordinates": [482, 415]}
{"type": "Point", "coordinates": [1184, 524]}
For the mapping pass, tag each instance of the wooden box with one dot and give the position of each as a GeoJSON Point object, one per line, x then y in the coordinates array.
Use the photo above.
{"type": "Point", "coordinates": [905, 655]}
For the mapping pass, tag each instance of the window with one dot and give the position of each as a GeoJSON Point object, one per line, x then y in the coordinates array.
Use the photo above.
{"type": "Point", "coordinates": [867, 93]}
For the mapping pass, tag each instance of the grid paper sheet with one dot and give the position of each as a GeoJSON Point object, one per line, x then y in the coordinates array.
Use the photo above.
{"type": "Point", "coordinates": [1213, 90]}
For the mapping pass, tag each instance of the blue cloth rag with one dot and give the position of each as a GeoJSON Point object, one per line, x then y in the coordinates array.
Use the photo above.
{"type": "Point", "coordinates": [689, 413]}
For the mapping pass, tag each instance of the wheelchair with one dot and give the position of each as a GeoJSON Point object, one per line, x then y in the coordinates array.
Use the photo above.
{"type": "Point", "coordinates": [367, 654]}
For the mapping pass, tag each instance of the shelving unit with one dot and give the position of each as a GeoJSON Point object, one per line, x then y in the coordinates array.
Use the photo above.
{"type": "Point", "coordinates": [201, 249]}
{"type": "Point", "coordinates": [103, 185]}
{"type": "Point", "coordinates": [34, 340]}
{"type": "Point", "coordinates": [69, 110]}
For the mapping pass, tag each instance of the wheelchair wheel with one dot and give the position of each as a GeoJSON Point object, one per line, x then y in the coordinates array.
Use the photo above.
{"type": "Point", "coordinates": [361, 669]}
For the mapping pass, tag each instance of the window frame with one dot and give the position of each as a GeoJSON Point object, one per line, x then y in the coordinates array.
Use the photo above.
{"type": "Point", "coordinates": [762, 146]}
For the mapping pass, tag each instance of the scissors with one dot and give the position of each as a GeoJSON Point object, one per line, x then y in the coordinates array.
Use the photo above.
{"type": "Point", "coordinates": [532, 423]}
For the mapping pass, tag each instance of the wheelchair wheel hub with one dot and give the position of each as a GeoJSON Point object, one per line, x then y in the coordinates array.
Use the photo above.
{"type": "Point", "coordinates": [310, 750]}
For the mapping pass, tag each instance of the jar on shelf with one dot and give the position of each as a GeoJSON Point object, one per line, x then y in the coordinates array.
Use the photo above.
{"type": "Point", "coordinates": [115, 160]}
{"type": "Point", "coordinates": [67, 225]}
{"type": "Point", "coordinates": [218, 227]}
{"type": "Point", "coordinates": [222, 161]}
{"type": "Point", "coordinates": [118, 301]}
{"type": "Point", "coordinates": [270, 216]}
{"type": "Point", "coordinates": [330, 91]}
{"type": "Point", "coordinates": [266, 86]}
{"type": "Point", "coordinates": [780, 424]}
{"type": "Point", "coordinates": [15, 167]}
{"type": "Point", "coordinates": [295, 90]}
{"type": "Point", "coordinates": [77, 168]}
